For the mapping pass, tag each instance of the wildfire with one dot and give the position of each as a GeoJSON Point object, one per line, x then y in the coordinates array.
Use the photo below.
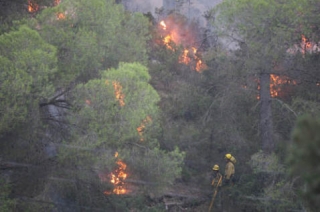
{"type": "Point", "coordinates": [276, 81]}
{"type": "Point", "coordinates": [117, 92]}
{"type": "Point", "coordinates": [167, 40]}
{"type": "Point", "coordinates": [164, 26]}
{"type": "Point", "coordinates": [142, 126]}
{"type": "Point", "coordinates": [275, 84]}
{"type": "Point", "coordinates": [56, 2]}
{"type": "Point", "coordinates": [188, 56]}
{"type": "Point", "coordinates": [117, 178]}
{"type": "Point", "coordinates": [184, 57]}
{"type": "Point", "coordinates": [305, 46]}
{"type": "Point", "coordinates": [60, 16]}
{"type": "Point", "coordinates": [32, 6]}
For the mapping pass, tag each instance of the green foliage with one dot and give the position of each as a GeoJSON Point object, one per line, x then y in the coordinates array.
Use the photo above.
{"type": "Point", "coordinates": [157, 167]}
{"type": "Point", "coordinates": [28, 66]}
{"type": "Point", "coordinates": [264, 26]}
{"type": "Point", "coordinates": [108, 112]}
{"type": "Point", "coordinates": [92, 36]}
{"type": "Point", "coordinates": [304, 156]}
{"type": "Point", "coordinates": [261, 162]}
{"type": "Point", "coordinates": [117, 104]}
{"type": "Point", "coordinates": [6, 204]}
{"type": "Point", "coordinates": [269, 184]}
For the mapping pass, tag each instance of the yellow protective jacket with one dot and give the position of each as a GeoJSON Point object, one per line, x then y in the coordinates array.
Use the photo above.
{"type": "Point", "coordinates": [229, 170]}
{"type": "Point", "coordinates": [217, 180]}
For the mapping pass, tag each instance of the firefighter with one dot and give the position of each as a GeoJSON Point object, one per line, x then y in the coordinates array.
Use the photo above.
{"type": "Point", "coordinates": [216, 183]}
{"type": "Point", "coordinates": [229, 170]}
{"type": "Point", "coordinates": [216, 177]}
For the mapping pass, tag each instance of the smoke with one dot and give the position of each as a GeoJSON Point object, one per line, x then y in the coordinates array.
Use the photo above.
{"type": "Point", "coordinates": [193, 9]}
{"type": "Point", "coordinates": [143, 6]}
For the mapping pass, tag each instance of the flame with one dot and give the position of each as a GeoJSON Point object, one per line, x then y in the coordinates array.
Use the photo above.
{"type": "Point", "coordinates": [188, 56]}
{"type": "Point", "coordinates": [142, 126]}
{"type": "Point", "coordinates": [184, 57]}
{"type": "Point", "coordinates": [61, 16]}
{"type": "Point", "coordinates": [32, 6]}
{"type": "Point", "coordinates": [164, 26]}
{"type": "Point", "coordinates": [167, 41]}
{"type": "Point", "coordinates": [117, 178]}
{"type": "Point", "coordinates": [277, 80]}
{"type": "Point", "coordinates": [117, 92]}
{"type": "Point", "coordinates": [305, 46]}
{"type": "Point", "coordinates": [56, 2]}
{"type": "Point", "coordinates": [275, 84]}
{"type": "Point", "coordinates": [88, 102]}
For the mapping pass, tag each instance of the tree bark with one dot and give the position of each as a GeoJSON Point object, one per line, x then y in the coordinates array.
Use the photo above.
{"type": "Point", "coordinates": [266, 124]}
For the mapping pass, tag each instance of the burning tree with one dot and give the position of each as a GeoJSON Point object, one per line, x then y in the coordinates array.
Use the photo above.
{"type": "Point", "coordinates": [103, 123]}
{"type": "Point", "coordinates": [175, 31]}
{"type": "Point", "coordinates": [262, 46]}
{"type": "Point", "coordinates": [116, 177]}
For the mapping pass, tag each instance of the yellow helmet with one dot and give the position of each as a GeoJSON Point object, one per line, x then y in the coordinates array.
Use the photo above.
{"type": "Point", "coordinates": [215, 168]}
{"type": "Point", "coordinates": [228, 156]}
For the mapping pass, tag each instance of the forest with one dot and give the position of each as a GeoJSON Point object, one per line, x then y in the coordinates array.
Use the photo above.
{"type": "Point", "coordinates": [106, 109]}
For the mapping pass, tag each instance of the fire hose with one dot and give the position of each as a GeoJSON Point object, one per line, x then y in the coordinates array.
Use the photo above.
{"type": "Point", "coordinates": [214, 194]}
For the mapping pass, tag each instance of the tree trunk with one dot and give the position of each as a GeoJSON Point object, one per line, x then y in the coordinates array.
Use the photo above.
{"type": "Point", "coordinates": [266, 125]}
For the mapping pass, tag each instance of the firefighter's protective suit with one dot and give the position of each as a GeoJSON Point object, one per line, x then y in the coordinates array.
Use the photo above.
{"type": "Point", "coordinates": [229, 169]}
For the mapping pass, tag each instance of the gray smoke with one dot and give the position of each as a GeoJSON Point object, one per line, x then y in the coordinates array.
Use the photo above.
{"type": "Point", "coordinates": [193, 9]}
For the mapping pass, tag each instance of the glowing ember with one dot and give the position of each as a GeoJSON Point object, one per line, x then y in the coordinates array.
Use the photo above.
{"type": "Point", "coordinates": [142, 126]}
{"type": "Point", "coordinates": [32, 6]}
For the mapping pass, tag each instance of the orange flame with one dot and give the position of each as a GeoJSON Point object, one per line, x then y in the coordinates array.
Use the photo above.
{"type": "Point", "coordinates": [117, 178]}
{"type": "Point", "coordinates": [185, 57]}
{"type": "Point", "coordinates": [32, 6]}
{"type": "Point", "coordinates": [305, 44]}
{"type": "Point", "coordinates": [164, 26]}
{"type": "Point", "coordinates": [275, 81]}
{"type": "Point", "coordinates": [60, 16]}
{"type": "Point", "coordinates": [117, 92]}
{"type": "Point", "coordinates": [142, 126]}
{"type": "Point", "coordinates": [56, 2]}
{"type": "Point", "coordinates": [167, 40]}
